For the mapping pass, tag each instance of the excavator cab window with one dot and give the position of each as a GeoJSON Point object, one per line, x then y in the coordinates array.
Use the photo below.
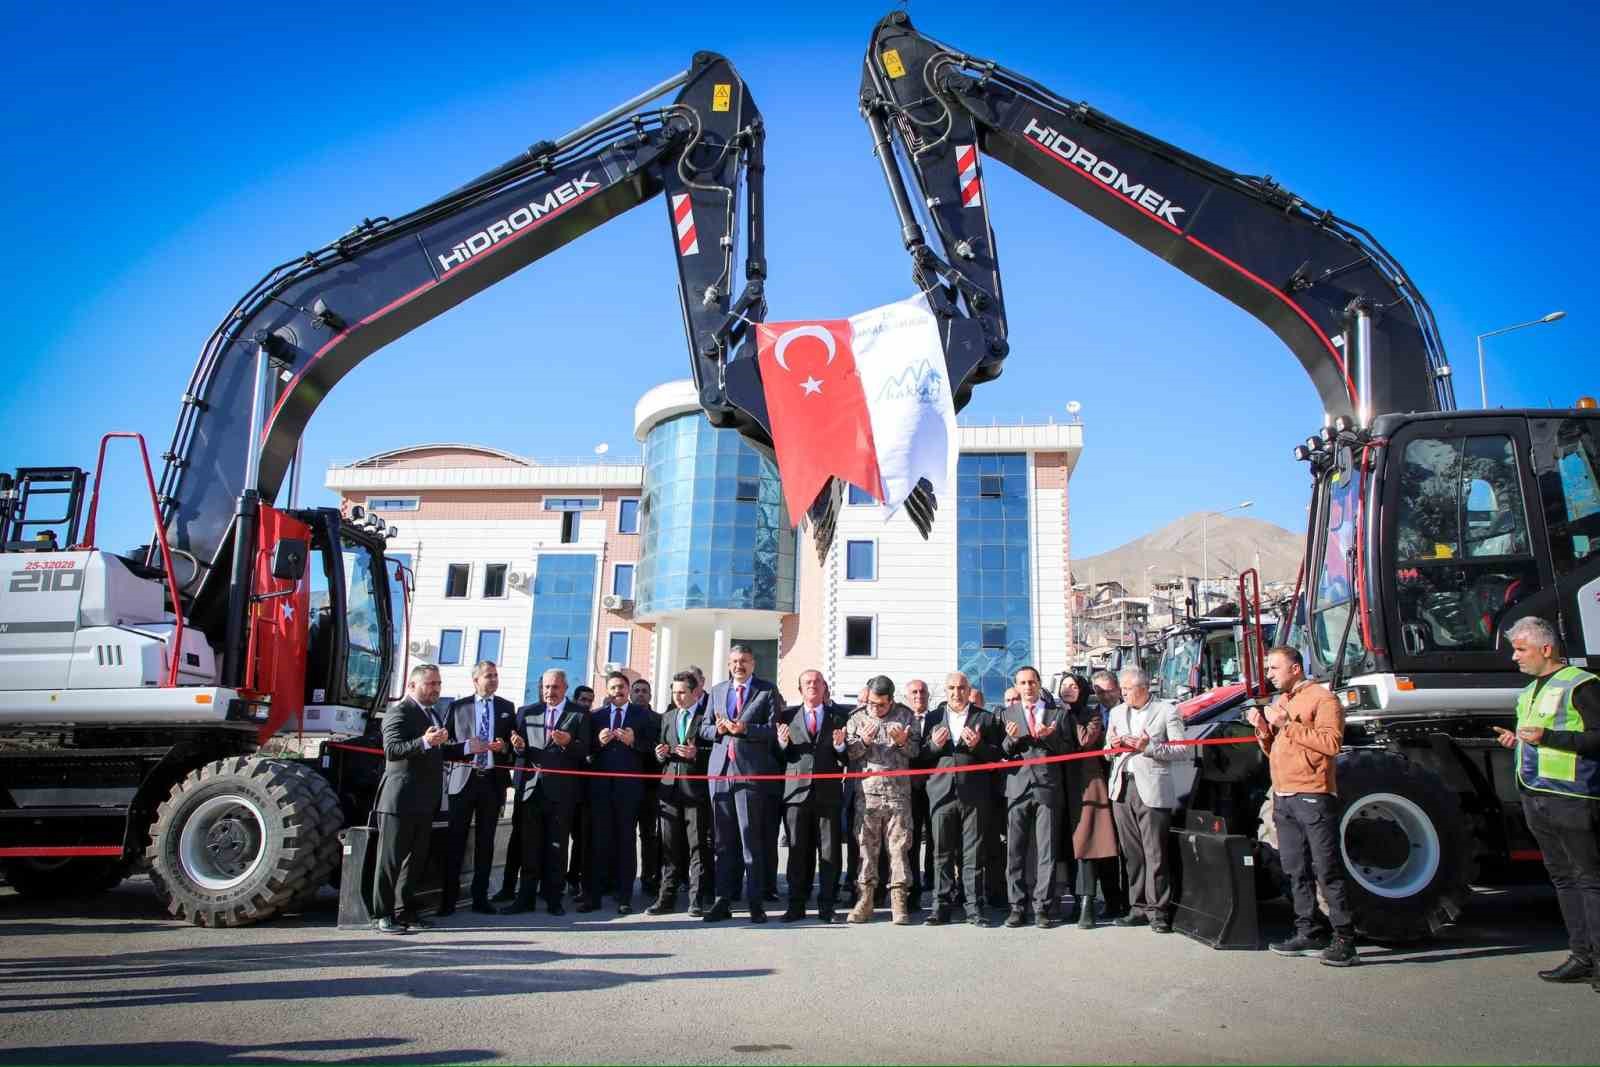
{"type": "Point", "coordinates": [1334, 592]}
{"type": "Point", "coordinates": [1570, 486]}
{"type": "Point", "coordinates": [1463, 554]}
{"type": "Point", "coordinates": [350, 646]}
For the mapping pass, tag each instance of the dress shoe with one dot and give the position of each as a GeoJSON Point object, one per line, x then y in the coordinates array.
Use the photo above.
{"type": "Point", "coordinates": [518, 907]}
{"type": "Point", "coordinates": [416, 923]}
{"type": "Point", "coordinates": [827, 918]}
{"type": "Point", "coordinates": [387, 925]}
{"type": "Point", "coordinates": [696, 911]}
{"type": "Point", "coordinates": [758, 914]}
{"type": "Point", "coordinates": [1133, 918]}
{"type": "Point", "coordinates": [624, 909]}
{"type": "Point", "coordinates": [937, 917]}
{"type": "Point", "coordinates": [719, 911]}
{"type": "Point", "coordinates": [1300, 945]}
{"type": "Point", "coordinates": [1016, 918]}
{"type": "Point", "coordinates": [1572, 969]}
{"type": "Point", "coordinates": [793, 914]}
{"type": "Point", "coordinates": [1045, 921]}
{"type": "Point", "coordinates": [483, 907]}
{"type": "Point", "coordinates": [445, 911]}
{"type": "Point", "coordinates": [1086, 915]}
{"type": "Point", "coordinates": [505, 896]}
{"type": "Point", "coordinates": [1161, 926]}
{"type": "Point", "coordinates": [586, 905]}
{"type": "Point", "coordinates": [555, 908]}
{"type": "Point", "coordinates": [662, 906]}
{"type": "Point", "coordinates": [975, 918]}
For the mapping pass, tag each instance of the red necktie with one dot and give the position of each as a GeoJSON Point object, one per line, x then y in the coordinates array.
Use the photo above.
{"type": "Point", "coordinates": [1031, 725]}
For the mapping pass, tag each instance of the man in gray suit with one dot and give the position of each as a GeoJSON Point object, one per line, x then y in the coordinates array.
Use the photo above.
{"type": "Point", "coordinates": [1034, 799]}
{"type": "Point", "coordinates": [415, 748]}
{"type": "Point", "coordinates": [477, 789]}
{"type": "Point", "coordinates": [1143, 795]}
{"type": "Point", "coordinates": [738, 725]}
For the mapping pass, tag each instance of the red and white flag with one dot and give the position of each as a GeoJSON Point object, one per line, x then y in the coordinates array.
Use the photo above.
{"type": "Point", "coordinates": [864, 399]}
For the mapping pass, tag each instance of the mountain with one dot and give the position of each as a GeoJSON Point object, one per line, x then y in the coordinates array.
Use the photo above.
{"type": "Point", "coordinates": [1235, 543]}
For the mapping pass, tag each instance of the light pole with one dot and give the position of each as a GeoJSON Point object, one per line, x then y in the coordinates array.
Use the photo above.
{"type": "Point", "coordinates": [1205, 551]}
{"type": "Point", "coordinates": [1483, 387]}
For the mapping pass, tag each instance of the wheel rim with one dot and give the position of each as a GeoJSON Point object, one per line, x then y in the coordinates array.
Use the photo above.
{"type": "Point", "coordinates": [222, 843]}
{"type": "Point", "coordinates": [1390, 845]}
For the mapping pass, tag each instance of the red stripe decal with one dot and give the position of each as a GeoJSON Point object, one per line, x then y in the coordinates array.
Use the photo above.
{"type": "Point", "coordinates": [682, 206]}
{"type": "Point", "coordinates": [60, 851]}
{"type": "Point", "coordinates": [967, 157]}
{"type": "Point", "coordinates": [969, 193]}
{"type": "Point", "coordinates": [1153, 217]}
{"type": "Point", "coordinates": [686, 242]}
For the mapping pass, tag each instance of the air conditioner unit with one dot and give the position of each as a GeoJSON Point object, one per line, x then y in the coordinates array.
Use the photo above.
{"type": "Point", "coordinates": [612, 668]}
{"type": "Point", "coordinates": [517, 579]}
{"type": "Point", "coordinates": [421, 647]}
{"type": "Point", "coordinates": [613, 602]}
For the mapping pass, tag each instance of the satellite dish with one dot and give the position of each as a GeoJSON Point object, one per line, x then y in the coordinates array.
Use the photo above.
{"type": "Point", "coordinates": [601, 449]}
{"type": "Point", "coordinates": [1073, 407]}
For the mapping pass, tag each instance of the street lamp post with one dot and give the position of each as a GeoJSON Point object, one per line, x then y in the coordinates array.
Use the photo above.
{"type": "Point", "coordinates": [1483, 387]}
{"type": "Point", "coordinates": [1205, 551]}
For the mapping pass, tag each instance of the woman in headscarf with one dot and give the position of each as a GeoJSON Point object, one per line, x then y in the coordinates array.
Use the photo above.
{"type": "Point", "coordinates": [1089, 821]}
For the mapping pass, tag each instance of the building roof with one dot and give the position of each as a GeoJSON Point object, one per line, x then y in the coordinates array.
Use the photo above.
{"type": "Point", "coordinates": [385, 459]}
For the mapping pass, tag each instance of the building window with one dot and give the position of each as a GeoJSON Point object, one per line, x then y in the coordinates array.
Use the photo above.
{"type": "Point", "coordinates": [618, 644]}
{"type": "Point", "coordinates": [994, 635]}
{"type": "Point", "coordinates": [563, 592]}
{"type": "Point", "coordinates": [572, 503]}
{"type": "Point", "coordinates": [456, 578]}
{"type": "Point", "coordinates": [449, 647]}
{"type": "Point", "coordinates": [860, 635]}
{"type": "Point", "coordinates": [861, 561]}
{"type": "Point", "coordinates": [857, 497]}
{"type": "Point", "coordinates": [622, 579]}
{"type": "Point", "coordinates": [747, 489]}
{"type": "Point", "coordinates": [569, 527]}
{"type": "Point", "coordinates": [494, 580]}
{"type": "Point", "coordinates": [994, 599]}
{"type": "Point", "coordinates": [991, 486]}
{"type": "Point", "coordinates": [488, 646]}
{"type": "Point", "coordinates": [628, 515]}
{"type": "Point", "coordinates": [393, 503]}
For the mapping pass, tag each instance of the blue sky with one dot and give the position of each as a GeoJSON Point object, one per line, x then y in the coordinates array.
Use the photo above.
{"type": "Point", "coordinates": [159, 158]}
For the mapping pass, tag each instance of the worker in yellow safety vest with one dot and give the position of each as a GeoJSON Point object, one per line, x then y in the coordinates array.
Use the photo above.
{"type": "Point", "coordinates": [1558, 774]}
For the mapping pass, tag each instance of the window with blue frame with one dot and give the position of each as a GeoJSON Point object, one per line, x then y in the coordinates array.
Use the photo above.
{"type": "Point", "coordinates": [628, 515]}
{"type": "Point", "coordinates": [861, 561]}
{"type": "Point", "coordinates": [393, 503]}
{"type": "Point", "coordinates": [994, 609]}
{"type": "Point", "coordinates": [856, 497]}
{"type": "Point", "coordinates": [488, 646]}
{"type": "Point", "coordinates": [622, 579]}
{"type": "Point", "coordinates": [618, 642]}
{"type": "Point", "coordinates": [563, 609]}
{"type": "Point", "coordinates": [449, 647]}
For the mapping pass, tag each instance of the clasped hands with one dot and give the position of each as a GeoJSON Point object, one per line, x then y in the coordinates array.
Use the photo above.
{"type": "Point", "coordinates": [625, 735]}
{"type": "Point", "coordinates": [941, 736]}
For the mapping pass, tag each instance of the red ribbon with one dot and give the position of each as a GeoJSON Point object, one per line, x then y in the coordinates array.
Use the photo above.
{"type": "Point", "coordinates": [840, 775]}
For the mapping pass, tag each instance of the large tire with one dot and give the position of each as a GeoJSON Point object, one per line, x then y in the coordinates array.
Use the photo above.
{"type": "Point", "coordinates": [330, 820]}
{"type": "Point", "coordinates": [1406, 846]}
{"type": "Point", "coordinates": [69, 877]}
{"type": "Point", "coordinates": [237, 840]}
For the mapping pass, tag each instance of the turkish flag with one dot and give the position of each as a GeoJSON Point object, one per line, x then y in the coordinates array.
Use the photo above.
{"type": "Point", "coordinates": [820, 424]}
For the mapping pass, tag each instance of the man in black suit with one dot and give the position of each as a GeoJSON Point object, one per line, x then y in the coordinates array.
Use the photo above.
{"type": "Point", "coordinates": [550, 735]}
{"type": "Point", "coordinates": [578, 863]}
{"type": "Point", "coordinates": [738, 725]}
{"type": "Point", "coordinates": [920, 858]}
{"type": "Point", "coordinates": [623, 743]}
{"type": "Point", "coordinates": [1034, 798]}
{"type": "Point", "coordinates": [811, 738]}
{"type": "Point", "coordinates": [414, 748]}
{"type": "Point", "coordinates": [650, 799]}
{"type": "Point", "coordinates": [685, 804]}
{"type": "Point", "coordinates": [960, 803]}
{"type": "Point", "coordinates": [477, 790]}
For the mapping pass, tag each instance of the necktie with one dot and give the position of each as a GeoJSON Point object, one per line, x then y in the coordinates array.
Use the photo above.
{"type": "Point", "coordinates": [683, 727]}
{"type": "Point", "coordinates": [483, 733]}
{"type": "Point", "coordinates": [811, 722]}
{"type": "Point", "coordinates": [1031, 724]}
{"type": "Point", "coordinates": [616, 713]}
{"type": "Point", "coordinates": [738, 708]}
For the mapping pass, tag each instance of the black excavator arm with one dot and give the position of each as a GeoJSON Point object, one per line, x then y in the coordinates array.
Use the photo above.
{"type": "Point", "coordinates": [311, 320]}
{"type": "Point", "coordinates": [1322, 284]}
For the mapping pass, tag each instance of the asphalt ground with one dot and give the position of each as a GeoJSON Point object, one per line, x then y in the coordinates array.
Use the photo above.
{"type": "Point", "coordinates": [113, 980]}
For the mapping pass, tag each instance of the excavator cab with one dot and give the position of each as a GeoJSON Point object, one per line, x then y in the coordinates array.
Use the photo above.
{"type": "Point", "coordinates": [351, 642]}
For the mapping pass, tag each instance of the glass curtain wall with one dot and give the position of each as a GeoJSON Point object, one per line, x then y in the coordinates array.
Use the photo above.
{"type": "Point", "coordinates": [563, 608]}
{"type": "Point", "coordinates": [994, 620]}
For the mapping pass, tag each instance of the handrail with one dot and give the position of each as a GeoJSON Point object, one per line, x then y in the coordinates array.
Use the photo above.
{"type": "Point", "coordinates": [176, 649]}
{"type": "Point", "coordinates": [1253, 656]}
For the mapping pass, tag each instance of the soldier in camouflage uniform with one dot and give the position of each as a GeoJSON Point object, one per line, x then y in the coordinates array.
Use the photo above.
{"type": "Point", "coordinates": [880, 737]}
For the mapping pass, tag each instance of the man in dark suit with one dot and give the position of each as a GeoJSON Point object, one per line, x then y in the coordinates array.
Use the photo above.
{"type": "Point", "coordinates": [738, 725]}
{"type": "Point", "coordinates": [550, 735]}
{"type": "Point", "coordinates": [414, 749]}
{"type": "Point", "coordinates": [684, 803]}
{"type": "Point", "coordinates": [1034, 798]}
{"type": "Point", "coordinates": [920, 859]}
{"type": "Point", "coordinates": [961, 803]}
{"type": "Point", "coordinates": [649, 799]}
{"type": "Point", "coordinates": [622, 743]}
{"type": "Point", "coordinates": [578, 862]}
{"type": "Point", "coordinates": [811, 738]}
{"type": "Point", "coordinates": [477, 790]}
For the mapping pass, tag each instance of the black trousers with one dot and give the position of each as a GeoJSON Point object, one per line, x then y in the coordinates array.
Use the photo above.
{"type": "Point", "coordinates": [687, 862]}
{"type": "Point", "coordinates": [814, 850]}
{"type": "Point", "coordinates": [478, 804]}
{"type": "Point", "coordinates": [739, 820]}
{"type": "Point", "coordinates": [543, 829]}
{"type": "Point", "coordinates": [1142, 837]}
{"type": "Point", "coordinates": [957, 833]}
{"type": "Point", "coordinates": [1308, 847]}
{"type": "Point", "coordinates": [921, 858]}
{"type": "Point", "coordinates": [613, 829]}
{"type": "Point", "coordinates": [508, 877]}
{"type": "Point", "coordinates": [1031, 853]}
{"type": "Point", "coordinates": [650, 838]}
{"type": "Point", "coordinates": [994, 846]}
{"type": "Point", "coordinates": [852, 847]}
{"type": "Point", "coordinates": [578, 859]}
{"type": "Point", "coordinates": [402, 855]}
{"type": "Point", "coordinates": [773, 810]}
{"type": "Point", "coordinates": [1568, 832]}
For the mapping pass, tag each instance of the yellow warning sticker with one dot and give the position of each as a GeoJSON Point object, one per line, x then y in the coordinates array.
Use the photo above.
{"type": "Point", "coordinates": [721, 96]}
{"type": "Point", "coordinates": [892, 65]}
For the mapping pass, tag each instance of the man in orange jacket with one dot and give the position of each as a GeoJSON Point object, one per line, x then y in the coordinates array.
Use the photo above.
{"type": "Point", "coordinates": [1302, 733]}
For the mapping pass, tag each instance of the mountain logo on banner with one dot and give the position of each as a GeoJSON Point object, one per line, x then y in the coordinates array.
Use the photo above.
{"type": "Point", "coordinates": [864, 399]}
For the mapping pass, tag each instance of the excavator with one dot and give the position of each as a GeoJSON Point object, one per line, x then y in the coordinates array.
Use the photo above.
{"type": "Point", "coordinates": [139, 686]}
{"type": "Point", "coordinates": [1431, 529]}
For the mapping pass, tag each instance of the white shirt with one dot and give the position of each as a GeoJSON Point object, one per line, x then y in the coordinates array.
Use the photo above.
{"type": "Point", "coordinates": [807, 712]}
{"type": "Point", "coordinates": [957, 721]}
